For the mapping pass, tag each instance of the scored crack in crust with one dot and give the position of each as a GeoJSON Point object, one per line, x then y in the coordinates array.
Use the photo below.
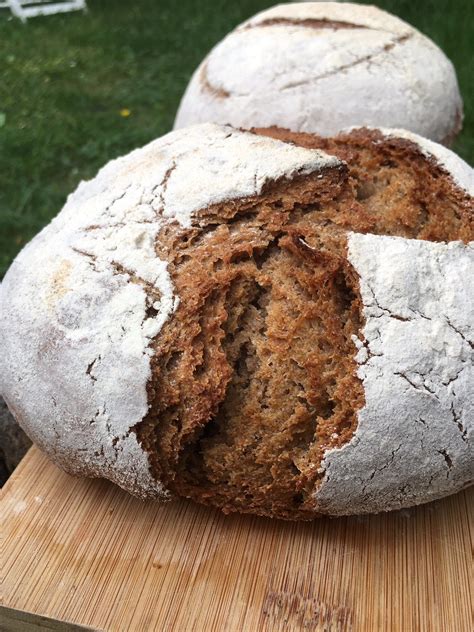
{"type": "Point", "coordinates": [320, 17]}
{"type": "Point", "coordinates": [84, 299]}
{"type": "Point", "coordinates": [219, 314]}
{"type": "Point", "coordinates": [232, 378]}
{"type": "Point", "coordinates": [322, 66]}
{"type": "Point", "coordinates": [255, 381]}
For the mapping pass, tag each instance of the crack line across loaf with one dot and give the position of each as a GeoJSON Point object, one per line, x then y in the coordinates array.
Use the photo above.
{"type": "Point", "coordinates": [102, 245]}
{"type": "Point", "coordinates": [238, 258]}
{"type": "Point", "coordinates": [312, 18]}
{"type": "Point", "coordinates": [223, 93]}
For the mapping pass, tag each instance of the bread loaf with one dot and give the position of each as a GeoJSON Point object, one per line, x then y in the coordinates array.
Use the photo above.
{"type": "Point", "coordinates": [255, 323]}
{"type": "Point", "coordinates": [323, 66]}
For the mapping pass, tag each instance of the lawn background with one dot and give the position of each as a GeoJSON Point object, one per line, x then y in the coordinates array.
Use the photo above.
{"type": "Point", "coordinates": [79, 89]}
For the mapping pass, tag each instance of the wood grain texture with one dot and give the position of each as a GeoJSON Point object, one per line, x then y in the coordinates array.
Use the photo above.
{"type": "Point", "coordinates": [86, 552]}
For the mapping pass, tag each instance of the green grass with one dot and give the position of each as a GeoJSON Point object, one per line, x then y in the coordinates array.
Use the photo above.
{"type": "Point", "coordinates": [65, 79]}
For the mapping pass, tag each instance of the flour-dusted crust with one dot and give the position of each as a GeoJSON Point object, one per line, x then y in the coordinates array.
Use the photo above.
{"type": "Point", "coordinates": [413, 442]}
{"type": "Point", "coordinates": [321, 66]}
{"type": "Point", "coordinates": [82, 302]}
{"type": "Point", "coordinates": [255, 324]}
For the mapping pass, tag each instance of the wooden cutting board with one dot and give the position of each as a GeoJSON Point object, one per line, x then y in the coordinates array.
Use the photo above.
{"type": "Point", "coordinates": [85, 552]}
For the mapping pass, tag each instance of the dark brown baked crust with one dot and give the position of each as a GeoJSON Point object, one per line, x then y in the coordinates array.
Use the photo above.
{"type": "Point", "coordinates": [406, 193]}
{"type": "Point", "coordinates": [255, 377]}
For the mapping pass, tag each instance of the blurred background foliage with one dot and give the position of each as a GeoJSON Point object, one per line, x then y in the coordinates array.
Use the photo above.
{"type": "Point", "coordinates": [79, 89]}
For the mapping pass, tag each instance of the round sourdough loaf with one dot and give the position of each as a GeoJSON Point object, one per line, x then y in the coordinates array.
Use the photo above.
{"type": "Point", "coordinates": [255, 323]}
{"type": "Point", "coordinates": [322, 66]}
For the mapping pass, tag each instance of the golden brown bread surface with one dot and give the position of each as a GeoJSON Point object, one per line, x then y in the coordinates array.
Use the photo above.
{"type": "Point", "coordinates": [255, 377]}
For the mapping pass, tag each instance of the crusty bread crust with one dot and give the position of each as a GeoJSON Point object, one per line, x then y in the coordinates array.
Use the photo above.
{"type": "Point", "coordinates": [322, 66]}
{"type": "Point", "coordinates": [85, 298]}
{"type": "Point", "coordinates": [255, 324]}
